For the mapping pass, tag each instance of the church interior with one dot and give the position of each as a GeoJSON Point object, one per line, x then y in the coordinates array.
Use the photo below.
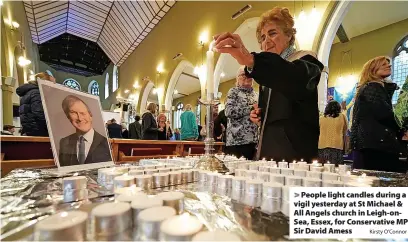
{"type": "Point", "coordinates": [176, 117]}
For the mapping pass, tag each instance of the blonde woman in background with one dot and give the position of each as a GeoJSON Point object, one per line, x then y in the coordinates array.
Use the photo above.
{"type": "Point", "coordinates": [31, 110]}
{"type": "Point", "coordinates": [149, 124]}
{"type": "Point", "coordinates": [374, 134]}
{"type": "Point", "coordinates": [333, 128]}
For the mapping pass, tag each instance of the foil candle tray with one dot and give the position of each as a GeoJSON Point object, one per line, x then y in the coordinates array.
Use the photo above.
{"type": "Point", "coordinates": [29, 195]}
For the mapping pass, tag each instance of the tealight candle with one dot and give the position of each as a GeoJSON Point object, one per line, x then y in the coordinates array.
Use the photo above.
{"type": "Point", "coordinates": [186, 176]}
{"type": "Point", "coordinates": [329, 167]}
{"type": "Point", "coordinates": [176, 168]}
{"type": "Point", "coordinates": [253, 187]}
{"type": "Point", "coordinates": [345, 177]}
{"type": "Point", "coordinates": [272, 190]}
{"type": "Point", "coordinates": [287, 171]}
{"type": "Point", "coordinates": [294, 165]}
{"type": "Point", "coordinates": [326, 176]}
{"type": "Point", "coordinates": [160, 167]}
{"type": "Point", "coordinates": [149, 221]}
{"type": "Point", "coordinates": [275, 170]}
{"type": "Point", "coordinates": [240, 172]}
{"type": "Point", "coordinates": [331, 183]}
{"type": "Point", "coordinates": [135, 172]}
{"type": "Point", "coordinates": [131, 168]}
{"type": "Point", "coordinates": [124, 181]}
{"type": "Point", "coordinates": [150, 171]}
{"type": "Point", "coordinates": [186, 167]}
{"type": "Point", "coordinates": [64, 226]}
{"type": "Point", "coordinates": [121, 169]}
{"type": "Point", "coordinates": [238, 182]}
{"type": "Point", "coordinates": [149, 167]}
{"type": "Point", "coordinates": [174, 177]}
{"type": "Point", "coordinates": [344, 168]}
{"type": "Point", "coordinates": [109, 176]}
{"type": "Point", "coordinates": [254, 167]}
{"type": "Point", "coordinates": [277, 178]}
{"type": "Point", "coordinates": [300, 173]}
{"type": "Point", "coordinates": [311, 182]}
{"type": "Point", "coordinates": [316, 168]}
{"type": "Point", "coordinates": [264, 176]}
{"type": "Point", "coordinates": [170, 229]}
{"type": "Point", "coordinates": [164, 170]}
{"type": "Point", "coordinates": [293, 181]}
{"type": "Point", "coordinates": [252, 174]}
{"type": "Point", "coordinates": [142, 203]}
{"type": "Point", "coordinates": [282, 164]}
{"type": "Point", "coordinates": [144, 181]}
{"type": "Point", "coordinates": [217, 235]}
{"type": "Point", "coordinates": [174, 200]}
{"type": "Point", "coordinates": [74, 182]}
{"type": "Point", "coordinates": [127, 198]}
{"type": "Point", "coordinates": [111, 218]}
{"type": "Point", "coordinates": [315, 163]}
{"type": "Point", "coordinates": [212, 178]}
{"type": "Point", "coordinates": [101, 174]}
{"type": "Point", "coordinates": [264, 168]}
{"type": "Point", "coordinates": [75, 195]}
{"type": "Point", "coordinates": [303, 166]}
{"type": "Point", "coordinates": [196, 173]}
{"type": "Point", "coordinates": [224, 181]}
{"type": "Point", "coordinates": [314, 174]}
{"type": "Point", "coordinates": [128, 190]}
{"type": "Point", "coordinates": [160, 180]}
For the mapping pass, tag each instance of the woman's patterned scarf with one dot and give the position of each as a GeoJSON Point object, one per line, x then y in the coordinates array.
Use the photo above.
{"type": "Point", "coordinates": [401, 108]}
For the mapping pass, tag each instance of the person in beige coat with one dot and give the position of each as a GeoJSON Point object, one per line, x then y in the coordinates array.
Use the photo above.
{"type": "Point", "coordinates": [333, 128]}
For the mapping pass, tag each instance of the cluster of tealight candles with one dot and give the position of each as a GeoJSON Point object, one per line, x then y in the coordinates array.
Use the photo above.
{"type": "Point", "coordinates": [266, 184]}
{"type": "Point", "coordinates": [146, 177]}
{"type": "Point", "coordinates": [74, 188]}
{"type": "Point", "coordinates": [149, 217]}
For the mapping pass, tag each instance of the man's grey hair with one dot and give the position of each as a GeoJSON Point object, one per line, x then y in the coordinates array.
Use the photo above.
{"type": "Point", "coordinates": [69, 101]}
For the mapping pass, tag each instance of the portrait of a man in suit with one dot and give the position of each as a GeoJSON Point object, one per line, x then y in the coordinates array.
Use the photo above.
{"type": "Point", "coordinates": [85, 146]}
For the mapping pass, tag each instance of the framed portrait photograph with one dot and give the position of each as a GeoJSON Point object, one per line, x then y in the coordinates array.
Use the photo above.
{"type": "Point", "coordinates": [75, 124]}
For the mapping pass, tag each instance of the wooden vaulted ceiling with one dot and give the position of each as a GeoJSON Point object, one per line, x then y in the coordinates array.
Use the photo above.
{"type": "Point", "coordinates": [118, 27]}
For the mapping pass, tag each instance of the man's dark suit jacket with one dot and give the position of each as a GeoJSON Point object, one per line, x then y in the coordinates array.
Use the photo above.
{"type": "Point", "coordinates": [99, 151]}
{"type": "Point", "coordinates": [135, 130]}
{"type": "Point", "coordinates": [115, 131]}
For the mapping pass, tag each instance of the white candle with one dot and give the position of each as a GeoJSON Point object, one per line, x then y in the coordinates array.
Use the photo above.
{"type": "Point", "coordinates": [64, 226]}
{"type": "Point", "coordinates": [74, 182]}
{"type": "Point", "coordinates": [149, 221]}
{"type": "Point", "coordinates": [174, 200]}
{"type": "Point", "coordinates": [329, 167]}
{"type": "Point", "coordinates": [326, 176]}
{"type": "Point", "coordinates": [180, 228]}
{"type": "Point", "coordinates": [210, 72]}
{"type": "Point", "coordinates": [124, 181]}
{"type": "Point", "coordinates": [217, 235]}
{"type": "Point", "coordinates": [111, 218]}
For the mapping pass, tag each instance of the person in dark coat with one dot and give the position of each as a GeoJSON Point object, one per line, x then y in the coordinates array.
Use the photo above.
{"type": "Point", "coordinates": [135, 129]}
{"type": "Point", "coordinates": [288, 103]}
{"type": "Point", "coordinates": [374, 133]}
{"type": "Point", "coordinates": [149, 124]}
{"type": "Point", "coordinates": [115, 130]}
{"type": "Point", "coordinates": [125, 132]}
{"type": "Point", "coordinates": [31, 111]}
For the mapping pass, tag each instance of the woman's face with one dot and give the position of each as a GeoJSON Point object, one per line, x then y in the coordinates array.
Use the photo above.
{"type": "Point", "coordinates": [273, 39]}
{"type": "Point", "coordinates": [243, 80]}
{"type": "Point", "coordinates": [162, 123]}
{"type": "Point", "coordinates": [384, 70]}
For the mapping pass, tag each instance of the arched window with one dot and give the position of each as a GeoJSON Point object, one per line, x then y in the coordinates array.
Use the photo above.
{"type": "Point", "coordinates": [400, 66]}
{"type": "Point", "coordinates": [115, 79]}
{"type": "Point", "coordinates": [49, 73]}
{"type": "Point", "coordinates": [107, 86]}
{"type": "Point", "coordinates": [72, 84]}
{"type": "Point", "coordinates": [93, 88]}
{"type": "Point", "coordinates": [198, 114]}
{"type": "Point", "coordinates": [177, 115]}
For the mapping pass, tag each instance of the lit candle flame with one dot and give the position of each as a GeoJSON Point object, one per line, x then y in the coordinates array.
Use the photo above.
{"type": "Point", "coordinates": [294, 161]}
{"type": "Point", "coordinates": [363, 175]}
{"type": "Point", "coordinates": [328, 162]}
{"type": "Point", "coordinates": [348, 173]}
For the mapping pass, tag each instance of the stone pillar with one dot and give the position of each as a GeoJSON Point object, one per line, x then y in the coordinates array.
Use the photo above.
{"type": "Point", "coordinates": [7, 96]}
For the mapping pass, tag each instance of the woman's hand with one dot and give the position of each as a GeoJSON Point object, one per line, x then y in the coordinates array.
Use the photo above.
{"type": "Point", "coordinates": [255, 115]}
{"type": "Point", "coordinates": [233, 45]}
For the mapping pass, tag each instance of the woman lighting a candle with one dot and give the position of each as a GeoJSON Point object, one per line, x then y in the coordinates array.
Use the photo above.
{"type": "Point", "coordinates": [288, 113]}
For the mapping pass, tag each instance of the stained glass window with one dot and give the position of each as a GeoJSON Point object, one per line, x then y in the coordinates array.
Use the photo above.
{"type": "Point", "coordinates": [198, 114]}
{"type": "Point", "coordinates": [93, 88]}
{"type": "Point", "coordinates": [400, 66]}
{"type": "Point", "coordinates": [115, 79]}
{"type": "Point", "coordinates": [72, 84]}
{"type": "Point", "coordinates": [107, 85]}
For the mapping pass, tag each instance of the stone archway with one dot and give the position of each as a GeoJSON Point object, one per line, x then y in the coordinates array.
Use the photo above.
{"type": "Point", "coordinates": [168, 101]}
{"type": "Point", "coordinates": [143, 101]}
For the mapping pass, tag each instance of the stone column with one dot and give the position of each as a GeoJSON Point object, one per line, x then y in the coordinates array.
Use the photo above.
{"type": "Point", "coordinates": [7, 99]}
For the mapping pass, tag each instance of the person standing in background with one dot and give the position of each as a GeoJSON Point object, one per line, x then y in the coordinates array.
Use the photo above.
{"type": "Point", "coordinates": [189, 128]}
{"type": "Point", "coordinates": [374, 134]}
{"type": "Point", "coordinates": [125, 132]}
{"type": "Point", "coordinates": [31, 110]}
{"type": "Point", "coordinates": [333, 128]}
{"type": "Point", "coordinates": [114, 130]}
{"type": "Point", "coordinates": [177, 134]}
{"type": "Point", "coordinates": [8, 130]}
{"type": "Point", "coordinates": [165, 132]}
{"type": "Point", "coordinates": [242, 134]}
{"type": "Point", "coordinates": [135, 129]}
{"type": "Point", "coordinates": [220, 126]}
{"type": "Point", "coordinates": [149, 124]}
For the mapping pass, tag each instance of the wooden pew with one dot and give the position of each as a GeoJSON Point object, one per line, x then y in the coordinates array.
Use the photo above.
{"type": "Point", "coordinates": [32, 152]}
